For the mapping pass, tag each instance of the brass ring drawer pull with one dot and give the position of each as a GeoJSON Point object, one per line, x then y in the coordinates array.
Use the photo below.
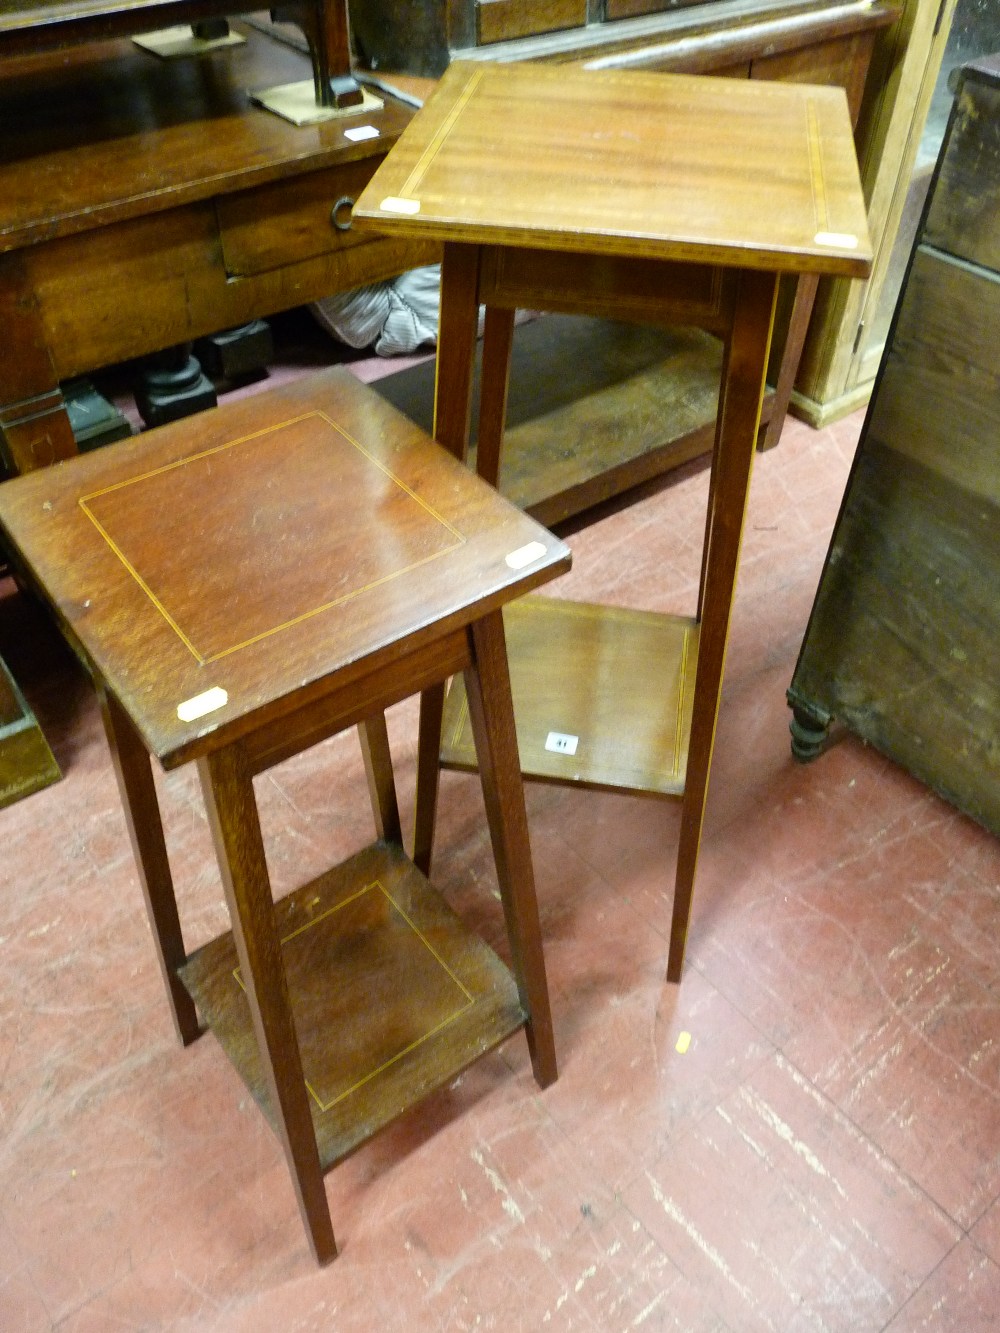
{"type": "Point", "coordinates": [341, 208]}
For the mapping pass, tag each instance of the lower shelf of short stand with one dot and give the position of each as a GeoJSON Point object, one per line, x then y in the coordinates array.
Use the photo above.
{"type": "Point", "coordinates": [618, 682]}
{"type": "Point", "coordinates": [392, 997]}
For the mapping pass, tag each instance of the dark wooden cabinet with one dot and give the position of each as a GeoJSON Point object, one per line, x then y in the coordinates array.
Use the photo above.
{"type": "Point", "coordinates": [423, 36]}
{"type": "Point", "coordinates": [904, 637]}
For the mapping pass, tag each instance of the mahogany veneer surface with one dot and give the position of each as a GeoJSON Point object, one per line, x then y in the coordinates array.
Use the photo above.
{"type": "Point", "coordinates": [758, 175]}
{"type": "Point", "coordinates": [231, 551]}
{"type": "Point", "coordinates": [105, 132]}
{"type": "Point", "coordinates": [616, 683]}
{"type": "Point", "coordinates": [392, 997]}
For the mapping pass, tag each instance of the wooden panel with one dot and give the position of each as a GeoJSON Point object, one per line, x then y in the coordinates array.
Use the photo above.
{"type": "Point", "coordinates": [938, 400]}
{"type": "Point", "coordinates": [964, 217]}
{"type": "Point", "coordinates": [646, 291]}
{"type": "Point", "coordinates": [567, 663]}
{"type": "Point", "coordinates": [903, 642]}
{"type": "Point", "coordinates": [502, 20]}
{"type": "Point", "coordinates": [628, 9]}
{"type": "Point", "coordinates": [81, 282]}
{"type": "Point", "coordinates": [841, 63]}
{"type": "Point", "coordinates": [844, 344]}
{"type": "Point", "coordinates": [174, 260]}
{"type": "Point", "coordinates": [291, 220]}
{"type": "Point", "coordinates": [391, 996]}
{"type": "Point", "coordinates": [379, 689]}
{"type": "Point", "coordinates": [904, 636]}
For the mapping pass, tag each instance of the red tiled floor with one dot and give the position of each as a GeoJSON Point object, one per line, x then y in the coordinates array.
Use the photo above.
{"type": "Point", "coordinates": [802, 1136]}
{"type": "Point", "coordinates": [963, 1293]}
{"type": "Point", "coordinates": [786, 1216]}
{"type": "Point", "coordinates": [986, 1232]}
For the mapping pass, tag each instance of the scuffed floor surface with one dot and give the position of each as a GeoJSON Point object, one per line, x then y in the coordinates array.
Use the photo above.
{"type": "Point", "coordinates": [824, 1155]}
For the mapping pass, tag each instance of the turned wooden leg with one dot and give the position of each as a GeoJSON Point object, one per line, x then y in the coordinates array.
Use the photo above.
{"type": "Point", "coordinates": [491, 712]}
{"type": "Point", "coordinates": [810, 728]}
{"type": "Point", "coordinates": [172, 385]}
{"type": "Point", "coordinates": [374, 738]}
{"type": "Point", "coordinates": [134, 772]}
{"type": "Point", "coordinates": [232, 810]}
{"type": "Point", "coordinates": [743, 374]}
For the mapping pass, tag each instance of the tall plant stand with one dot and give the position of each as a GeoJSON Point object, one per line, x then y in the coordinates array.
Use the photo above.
{"type": "Point", "coordinates": [661, 199]}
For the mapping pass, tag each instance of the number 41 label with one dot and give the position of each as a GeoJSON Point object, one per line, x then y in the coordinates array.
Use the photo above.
{"type": "Point", "coordinates": [559, 743]}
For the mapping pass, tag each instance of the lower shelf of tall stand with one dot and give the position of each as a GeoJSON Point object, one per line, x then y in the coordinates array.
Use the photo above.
{"type": "Point", "coordinates": [595, 407]}
{"type": "Point", "coordinates": [392, 997]}
{"type": "Point", "coordinates": [602, 696]}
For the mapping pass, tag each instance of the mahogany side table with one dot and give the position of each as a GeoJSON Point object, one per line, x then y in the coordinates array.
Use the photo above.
{"type": "Point", "coordinates": [243, 584]}
{"type": "Point", "coordinates": [653, 198]}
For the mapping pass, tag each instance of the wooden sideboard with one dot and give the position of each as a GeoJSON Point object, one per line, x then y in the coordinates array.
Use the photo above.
{"type": "Point", "coordinates": [167, 206]}
{"type": "Point", "coordinates": [30, 26]}
{"type": "Point", "coordinates": [903, 640]}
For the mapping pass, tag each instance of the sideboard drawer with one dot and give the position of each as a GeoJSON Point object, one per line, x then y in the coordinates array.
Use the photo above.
{"type": "Point", "coordinates": [505, 20]}
{"type": "Point", "coordinates": [288, 221]}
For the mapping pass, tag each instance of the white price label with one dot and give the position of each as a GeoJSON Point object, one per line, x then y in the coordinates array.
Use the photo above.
{"type": "Point", "coordinates": [394, 205]}
{"type": "Point", "coordinates": [525, 555]}
{"type": "Point", "coordinates": [202, 704]}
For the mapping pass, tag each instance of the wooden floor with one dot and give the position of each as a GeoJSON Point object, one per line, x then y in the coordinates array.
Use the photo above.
{"type": "Point", "coordinates": [803, 1136]}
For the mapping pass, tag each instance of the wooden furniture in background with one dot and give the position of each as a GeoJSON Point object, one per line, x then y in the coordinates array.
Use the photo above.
{"type": "Point", "coordinates": [387, 564]}
{"type": "Point", "coordinates": [30, 26]}
{"type": "Point", "coordinates": [26, 762]}
{"type": "Point", "coordinates": [904, 637]}
{"type": "Point", "coordinates": [165, 207]}
{"type": "Point", "coordinates": [698, 36]}
{"type": "Point", "coordinates": [664, 198]}
{"type": "Point", "coordinates": [849, 324]}
{"type": "Point", "coordinates": [149, 202]}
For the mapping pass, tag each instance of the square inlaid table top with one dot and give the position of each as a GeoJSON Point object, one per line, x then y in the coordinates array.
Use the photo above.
{"type": "Point", "coordinates": [223, 565]}
{"type": "Point", "coordinates": [745, 173]}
